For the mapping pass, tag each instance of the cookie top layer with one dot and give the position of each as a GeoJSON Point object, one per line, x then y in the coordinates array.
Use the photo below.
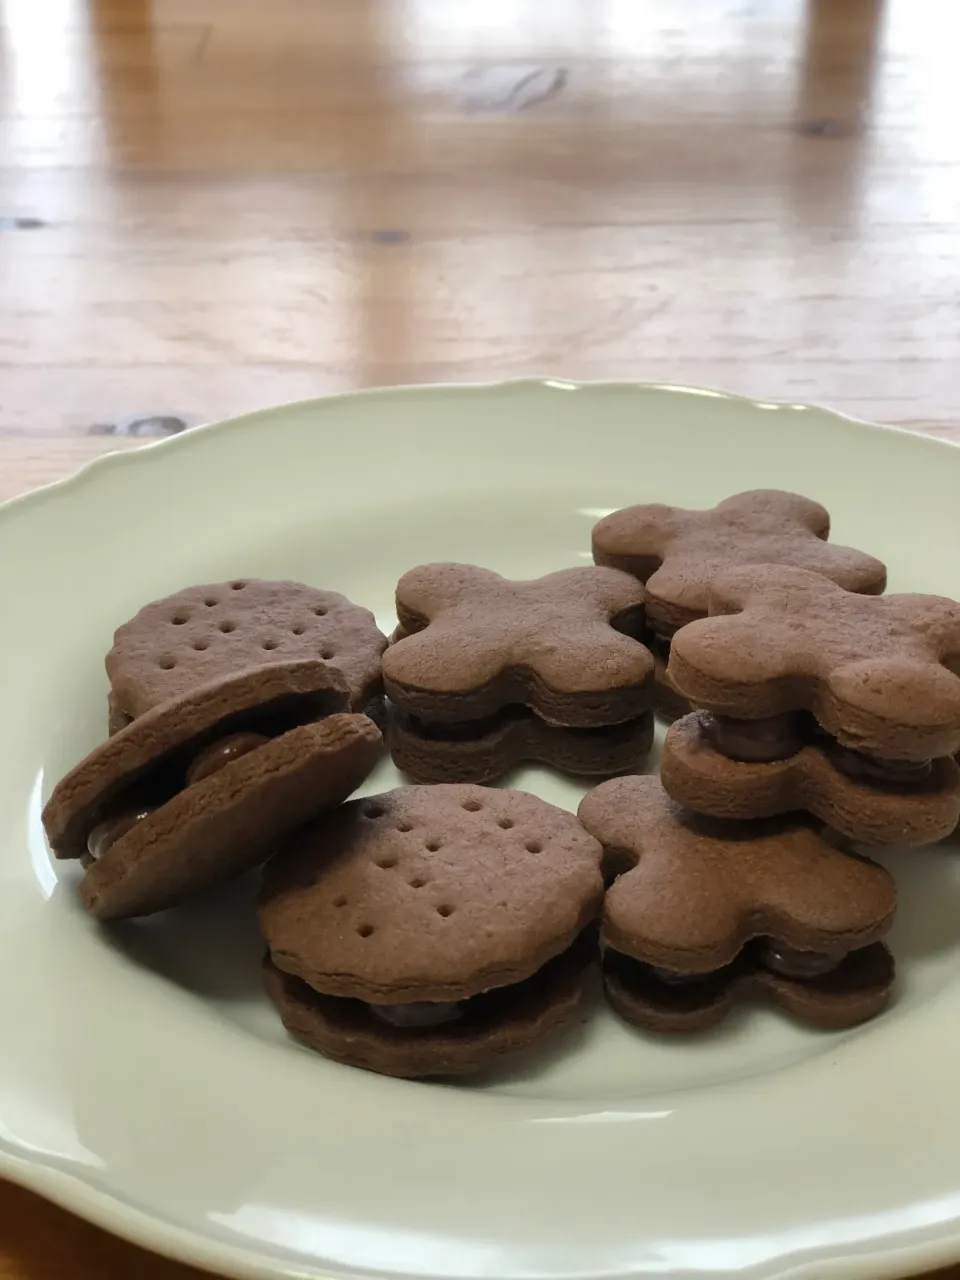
{"type": "Point", "coordinates": [467, 631]}
{"type": "Point", "coordinates": [205, 633]}
{"type": "Point", "coordinates": [678, 553]}
{"type": "Point", "coordinates": [219, 827]}
{"type": "Point", "coordinates": [166, 738]}
{"type": "Point", "coordinates": [880, 675]}
{"type": "Point", "coordinates": [430, 893]}
{"type": "Point", "coordinates": [698, 890]}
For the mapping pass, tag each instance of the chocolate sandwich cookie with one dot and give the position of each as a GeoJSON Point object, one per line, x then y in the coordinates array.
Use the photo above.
{"type": "Point", "coordinates": [678, 553]}
{"type": "Point", "coordinates": [750, 769]}
{"type": "Point", "coordinates": [473, 646]}
{"type": "Point", "coordinates": [196, 790]}
{"type": "Point", "coordinates": [563, 645]}
{"type": "Point", "coordinates": [210, 632]}
{"type": "Point", "coordinates": [880, 676]}
{"type": "Point", "coordinates": [483, 750]}
{"type": "Point", "coordinates": [431, 930]}
{"type": "Point", "coordinates": [702, 914]}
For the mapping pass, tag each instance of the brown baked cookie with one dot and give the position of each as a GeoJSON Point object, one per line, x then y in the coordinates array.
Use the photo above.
{"type": "Point", "coordinates": [678, 553]}
{"type": "Point", "coordinates": [843, 788]}
{"type": "Point", "coordinates": [714, 904]}
{"type": "Point", "coordinates": [440, 752]}
{"type": "Point", "coordinates": [431, 930]}
{"type": "Point", "coordinates": [474, 643]}
{"type": "Point", "coordinates": [206, 633]}
{"type": "Point", "coordinates": [197, 790]}
{"type": "Point", "coordinates": [882, 676]}
{"type": "Point", "coordinates": [855, 991]}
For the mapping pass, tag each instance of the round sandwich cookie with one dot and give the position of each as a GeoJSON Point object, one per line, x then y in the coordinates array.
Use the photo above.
{"type": "Point", "coordinates": [198, 789]}
{"type": "Point", "coordinates": [701, 915]}
{"type": "Point", "coordinates": [431, 930]}
{"type": "Point", "coordinates": [210, 632]}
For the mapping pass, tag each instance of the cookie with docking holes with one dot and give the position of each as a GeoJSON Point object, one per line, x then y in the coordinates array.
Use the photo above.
{"type": "Point", "coordinates": [431, 930]}
{"type": "Point", "coordinates": [702, 915]}
{"type": "Point", "coordinates": [208, 632]}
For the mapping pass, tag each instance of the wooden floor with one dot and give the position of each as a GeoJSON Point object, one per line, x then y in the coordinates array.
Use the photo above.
{"type": "Point", "coordinates": [211, 205]}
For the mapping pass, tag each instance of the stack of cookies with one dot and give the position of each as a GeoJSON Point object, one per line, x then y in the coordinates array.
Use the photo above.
{"type": "Point", "coordinates": [826, 711]}
{"type": "Point", "coordinates": [678, 553]}
{"type": "Point", "coordinates": [485, 673]}
{"type": "Point", "coordinates": [813, 699]}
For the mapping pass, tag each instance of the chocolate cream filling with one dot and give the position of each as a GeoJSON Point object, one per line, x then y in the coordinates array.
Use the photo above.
{"type": "Point", "coordinates": [422, 1013]}
{"type": "Point", "coordinates": [780, 737]}
{"type": "Point", "coordinates": [483, 1009]}
{"type": "Point", "coordinates": [207, 754]}
{"type": "Point", "coordinates": [765, 953]}
{"type": "Point", "coordinates": [470, 730]}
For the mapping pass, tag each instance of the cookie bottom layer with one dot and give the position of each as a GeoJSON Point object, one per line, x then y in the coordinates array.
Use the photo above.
{"type": "Point", "coordinates": [491, 1026]}
{"type": "Point", "coordinates": [483, 750]}
{"type": "Point", "coordinates": [857, 990]}
{"type": "Point", "coordinates": [702, 779]}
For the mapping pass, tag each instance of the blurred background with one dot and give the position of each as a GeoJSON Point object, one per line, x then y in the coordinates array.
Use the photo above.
{"type": "Point", "coordinates": [207, 206]}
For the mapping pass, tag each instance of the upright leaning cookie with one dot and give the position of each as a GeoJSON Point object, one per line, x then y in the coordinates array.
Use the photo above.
{"type": "Point", "coordinates": [677, 553]}
{"type": "Point", "coordinates": [210, 632]}
{"type": "Point", "coordinates": [842, 705]}
{"type": "Point", "coordinates": [488, 672]}
{"type": "Point", "coordinates": [431, 930]}
{"type": "Point", "coordinates": [705, 914]}
{"type": "Point", "coordinates": [199, 788]}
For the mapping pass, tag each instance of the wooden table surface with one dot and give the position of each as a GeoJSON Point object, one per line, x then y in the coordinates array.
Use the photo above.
{"type": "Point", "coordinates": [207, 206]}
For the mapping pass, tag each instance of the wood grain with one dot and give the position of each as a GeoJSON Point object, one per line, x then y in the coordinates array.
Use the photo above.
{"type": "Point", "coordinates": [207, 206]}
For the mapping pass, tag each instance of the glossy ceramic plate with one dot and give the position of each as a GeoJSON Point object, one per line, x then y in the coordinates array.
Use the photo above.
{"type": "Point", "coordinates": [146, 1083]}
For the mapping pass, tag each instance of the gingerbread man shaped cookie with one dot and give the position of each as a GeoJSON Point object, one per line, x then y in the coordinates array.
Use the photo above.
{"type": "Point", "coordinates": [882, 676]}
{"type": "Point", "coordinates": [678, 553]}
{"type": "Point", "coordinates": [703, 913]}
